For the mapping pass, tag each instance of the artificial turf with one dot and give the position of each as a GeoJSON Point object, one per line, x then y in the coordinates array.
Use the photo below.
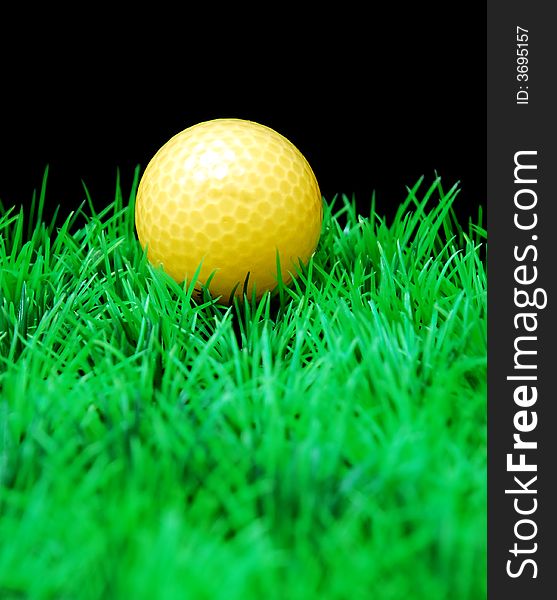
{"type": "Point", "coordinates": [329, 442]}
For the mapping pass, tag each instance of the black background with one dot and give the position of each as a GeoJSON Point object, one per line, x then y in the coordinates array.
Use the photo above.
{"type": "Point", "coordinates": [373, 101]}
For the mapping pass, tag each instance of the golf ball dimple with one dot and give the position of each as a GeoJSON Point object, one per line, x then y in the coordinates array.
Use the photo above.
{"type": "Point", "coordinates": [229, 194]}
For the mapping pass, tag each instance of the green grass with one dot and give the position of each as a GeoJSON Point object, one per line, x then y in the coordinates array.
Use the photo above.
{"type": "Point", "coordinates": [327, 443]}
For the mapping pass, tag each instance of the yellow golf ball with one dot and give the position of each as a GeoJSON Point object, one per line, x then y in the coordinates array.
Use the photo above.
{"type": "Point", "coordinates": [229, 195]}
